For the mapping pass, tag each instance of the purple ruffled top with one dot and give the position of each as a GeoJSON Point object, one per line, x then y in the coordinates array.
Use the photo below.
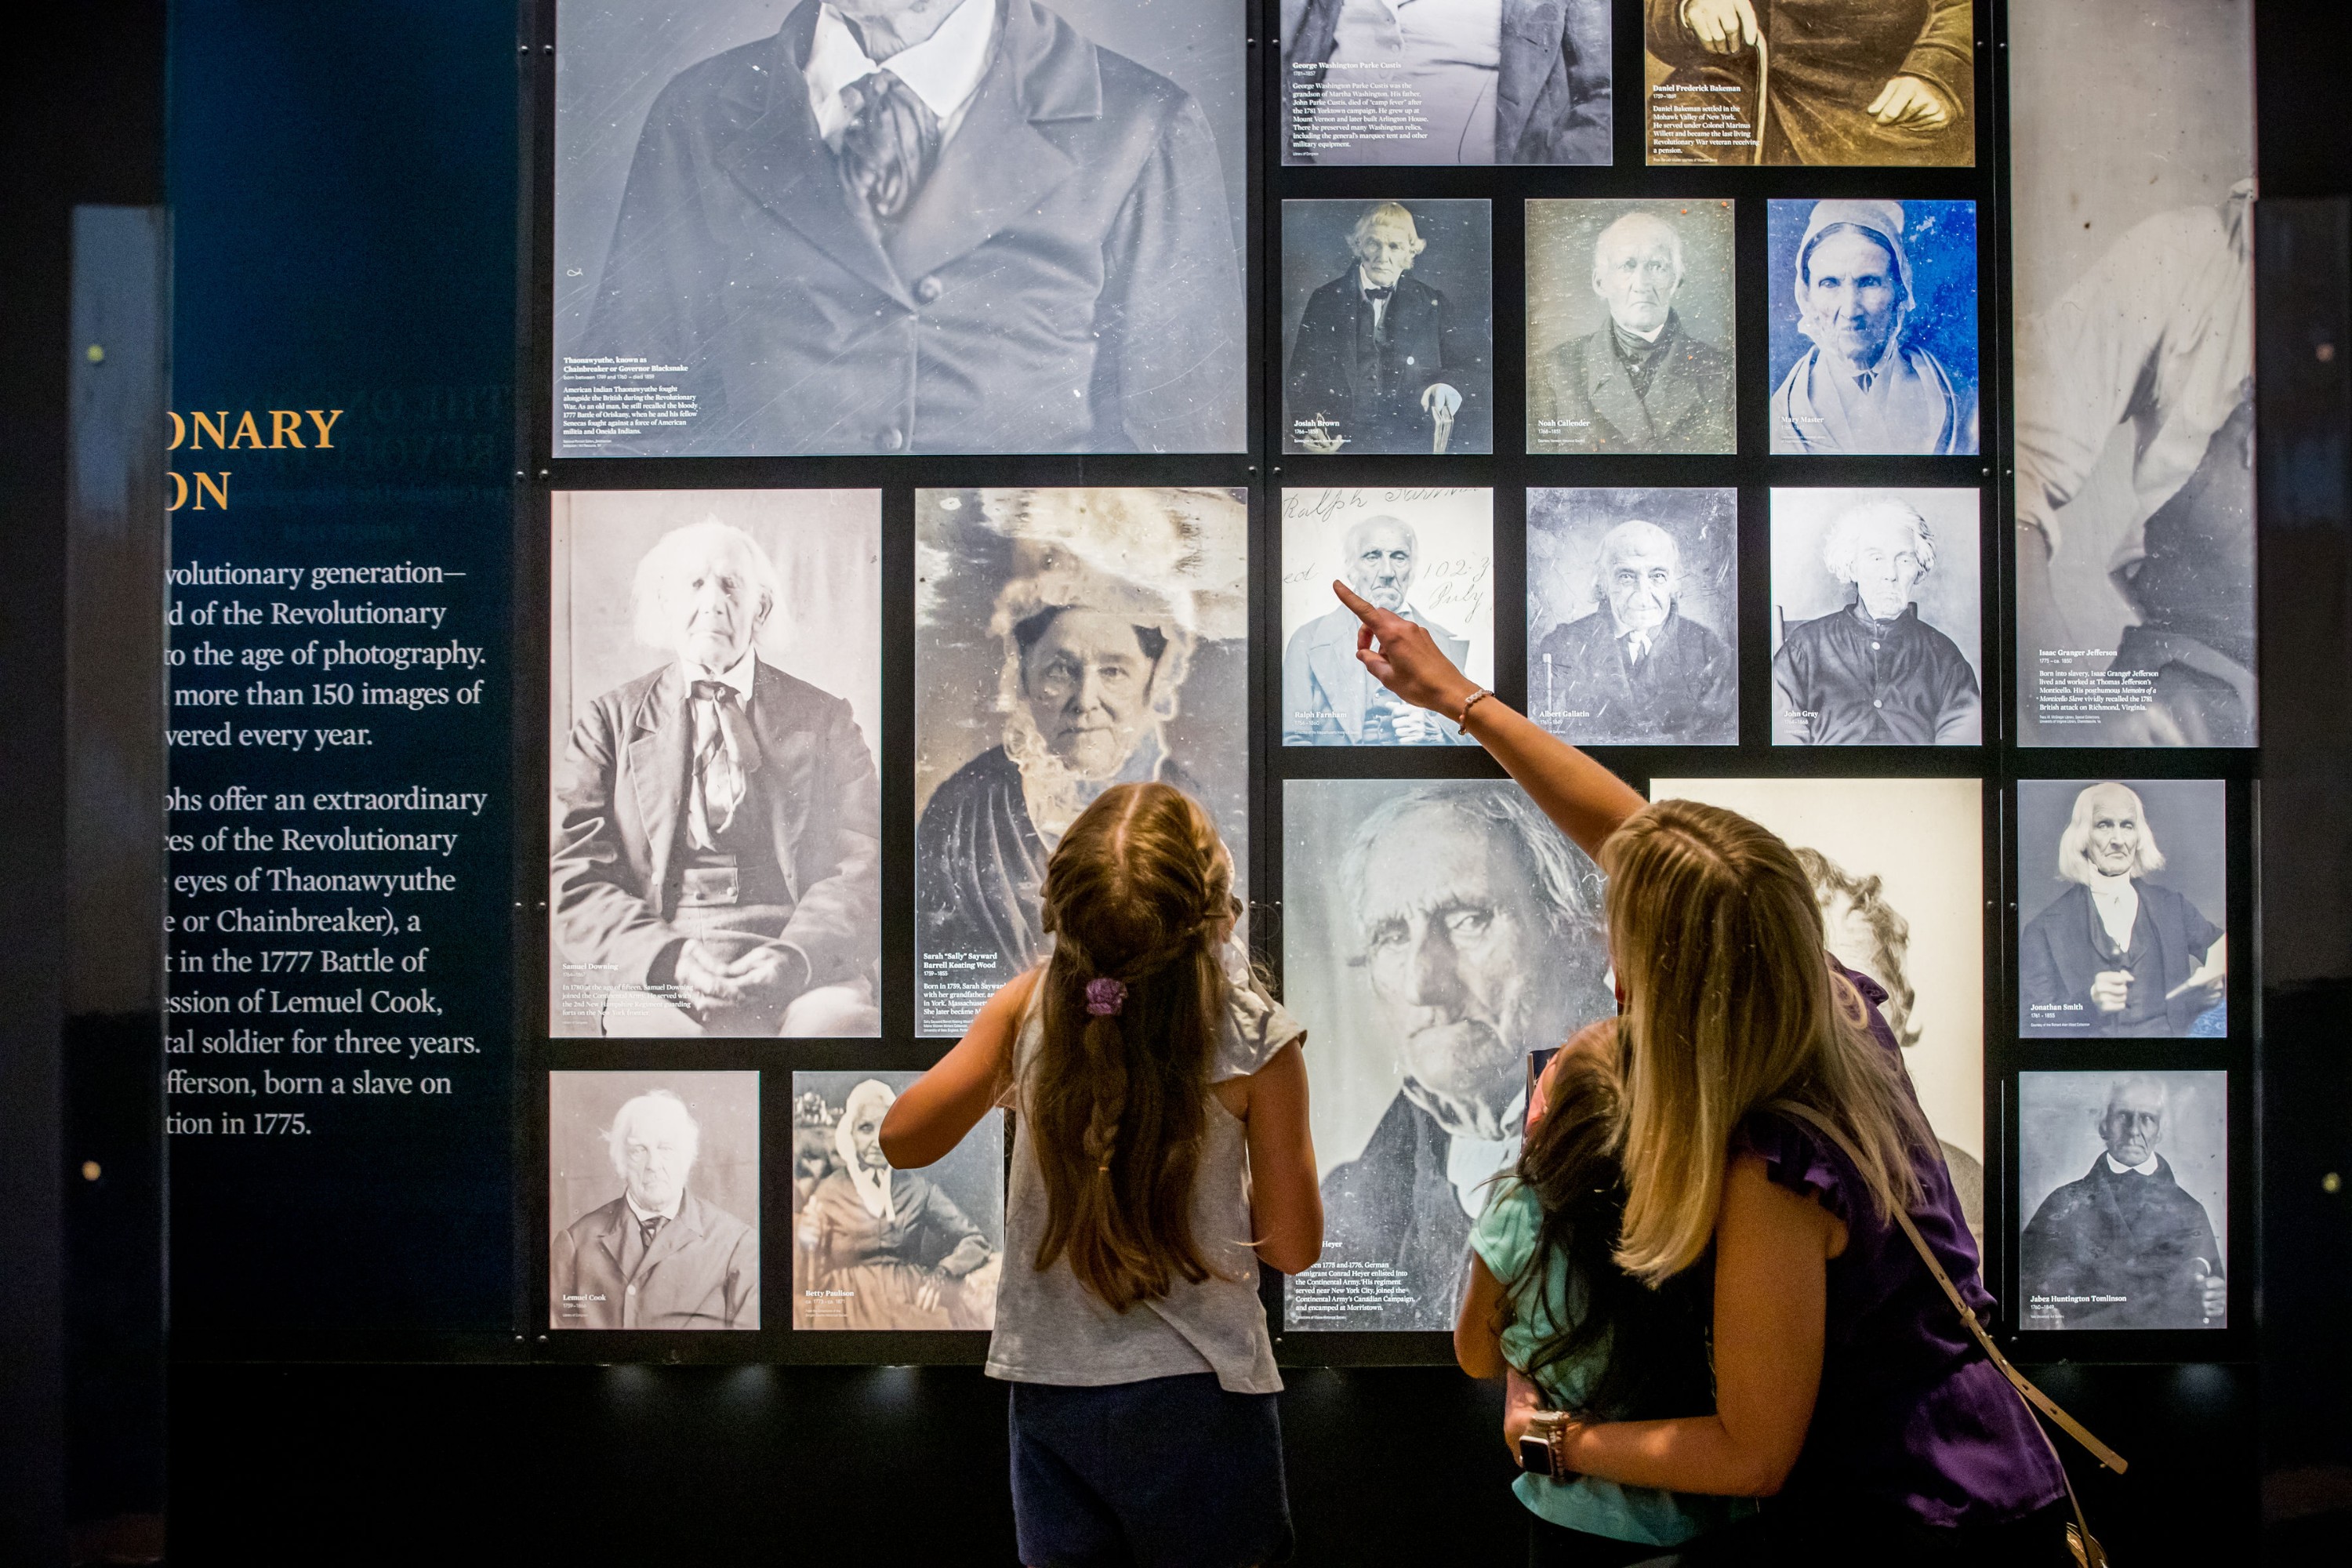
{"type": "Point", "coordinates": [1911, 1413]}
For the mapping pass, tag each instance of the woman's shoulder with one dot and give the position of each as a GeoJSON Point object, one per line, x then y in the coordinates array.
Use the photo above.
{"type": "Point", "coordinates": [1799, 1157]}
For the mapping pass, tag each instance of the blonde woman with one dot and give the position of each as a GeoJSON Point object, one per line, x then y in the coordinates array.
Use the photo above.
{"type": "Point", "coordinates": [1847, 1389]}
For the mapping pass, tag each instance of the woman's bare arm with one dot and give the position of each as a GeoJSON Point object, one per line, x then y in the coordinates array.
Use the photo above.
{"type": "Point", "coordinates": [1286, 1201]}
{"type": "Point", "coordinates": [1586, 800]}
{"type": "Point", "coordinates": [948, 1101]}
{"type": "Point", "coordinates": [1771, 1295]}
{"type": "Point", "coordinates": [1478, 1327]}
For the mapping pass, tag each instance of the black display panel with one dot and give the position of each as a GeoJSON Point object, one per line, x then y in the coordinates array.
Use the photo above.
{"type": "Point", "coordinates": [445, 1212]}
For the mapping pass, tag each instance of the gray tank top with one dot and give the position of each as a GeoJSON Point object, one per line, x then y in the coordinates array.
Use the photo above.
{"type": "Point", "coordinates": [1052, 1329]}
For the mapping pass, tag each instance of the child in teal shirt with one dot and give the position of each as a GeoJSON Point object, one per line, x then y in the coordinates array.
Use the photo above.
{"type": "Point", "coordinates": [1548, 1299]}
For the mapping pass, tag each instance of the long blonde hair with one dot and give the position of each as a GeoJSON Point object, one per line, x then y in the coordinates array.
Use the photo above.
{"type": "Point", "coordinates": [1136, 895]}
{"type": "Point", "coordinates": [1732, 1007]}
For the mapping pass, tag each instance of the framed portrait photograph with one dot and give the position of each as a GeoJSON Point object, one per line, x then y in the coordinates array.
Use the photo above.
{"type": "Point", "coordinates": [1873, 327]}
{"type": "Point", "coordinates": [1425, 554]}
{"type": "Point", "coordinates": [1631, 326]}
{"type": "Point", "coordinates": [715, 696]}
{"type": "Point", "coordinates": [2122, 1186]}
{"type": "Point", "coordinates": [1065, 640]}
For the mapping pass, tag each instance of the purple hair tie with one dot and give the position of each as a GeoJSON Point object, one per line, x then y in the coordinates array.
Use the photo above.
{"type": "Point", "coordinates": [1106, 997]}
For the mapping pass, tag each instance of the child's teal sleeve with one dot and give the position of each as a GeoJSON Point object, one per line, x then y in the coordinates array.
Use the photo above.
{"type": "Point", "coordinates": [1505, 1236]}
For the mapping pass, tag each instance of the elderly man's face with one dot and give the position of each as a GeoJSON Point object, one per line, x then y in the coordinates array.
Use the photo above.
{"type": "Point", "coordinates": [2115, 832]}
{"type": "Point", "coordinates": [2134, 1124]}
{"type": "Point", "coordinates": [1088, 685]}
{"type": "Point", "coordinates": [1643, 579]}
{"type": "Point", "coordinates": [1463, 962]}
{"type": "Point", "coordinates": [1387, 248]}
{"type": "Point", "coordinates": [1381, 567]}
{"type": "Point", "coordinates": [716, 607]}
{"type": "Point", "coordinates": [1886, 565]}
{"type": "Point", "coordinates": [866, 1136]}
{"type": "Point", "coordinates": [1852, 290]}
{"type": "Point", "coordinates": [657, 1151]}
{"type": "Point", "coordinates": [1634, 269]}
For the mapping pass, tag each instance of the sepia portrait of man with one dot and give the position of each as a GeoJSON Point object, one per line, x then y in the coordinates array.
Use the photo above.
{"type": "Point", "coordinates": [1330, 699]}
{"type": "Point", "coordinates": [1842, 81]}
{"type": "Point", "coordinates": [659, 1255]}
{"type": "Point", "coordinates": [1636, 669]}
{"type": "Point", "coordinates": [2119, 956]}
{"type": "Point", "coordinates": [714, 864]}
{"type": "Point", "coordinates": [2123, 1246]}
{"type": "Point", "coordinates": [1383, 362]}
{"type": "Point", "coordinates": [1476, 927]}
{"type": "Point", "coordinates": [1864, 387]}
{"type": "Point", "coordinates": [1873, 673]}
{"type": "Point", "coordinates": [923, 226]}
{"type": "Point", "coordinates": [1641, 382]}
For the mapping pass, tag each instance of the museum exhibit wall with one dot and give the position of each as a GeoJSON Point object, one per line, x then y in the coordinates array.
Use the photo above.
{"type": "Point", "coordinates": [656, 571]}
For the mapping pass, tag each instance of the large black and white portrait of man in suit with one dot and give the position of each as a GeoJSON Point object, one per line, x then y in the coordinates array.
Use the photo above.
{"type": "Point", "coordinates": [1065, 640]}
{"type": "Point", "coordinates": [898, 226]}
{"type": "Point", "coordinates": [1444, 929]}
{"type": "Point", "coordinates": [1426, 555]}
{"type": "Point", "coordinates": [654, 1200]}
{"type": "Point", "coordinates": [1631, 602]}
{"type": "Point", "coordinates": [1445, 81]}
{"type": "Point", "coordinates": [714, 869]}
{"type": "Point", "coordinates": [1630, 327]}
{"type": "Point", "coordinates": [1394, 353]}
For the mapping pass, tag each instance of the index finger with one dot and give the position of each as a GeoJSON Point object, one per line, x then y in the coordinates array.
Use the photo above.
{"type": "Point", "coordinates": [1375, 619]}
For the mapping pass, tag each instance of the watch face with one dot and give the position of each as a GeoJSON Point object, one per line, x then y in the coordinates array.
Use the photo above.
{"type": "Point", "coordinates": [1535, 1455]}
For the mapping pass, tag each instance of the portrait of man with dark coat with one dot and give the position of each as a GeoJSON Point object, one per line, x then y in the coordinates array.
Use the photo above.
{"type": "Point", "coordinates": [1636, 670]}
{"type": "Point", "coordinates": [1640, 381]}
{"type": "Point", "coordinates": [1382, 362]}
{"type": "Point", "coordinates": [715, 864]}
{"type": "Point", "coordinates": [1493, 81]}
{"type": "Point", "coordinates": [659, 1256]}
{"type": "Point", "coordinates": [908, 225]}
{"type": "Point", "coordinates": [1478, 928]}
{"type": "Point", "coordinates": [2117, 956]}
{"type": "Point", "coordinates": [2123, 1247]}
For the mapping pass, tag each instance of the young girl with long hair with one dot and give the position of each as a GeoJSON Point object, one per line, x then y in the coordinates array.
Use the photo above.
{"type": "Point", "coordinates": [1547, 1301]}
{"type": "Point", "coordinates": [1160, 1153]}
{"type": "Point", "coordinates": [1768, 1123]}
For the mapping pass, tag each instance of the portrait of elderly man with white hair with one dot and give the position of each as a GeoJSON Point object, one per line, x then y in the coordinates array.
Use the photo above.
{"type": "Point", "coordinates": [1872, 673]}
{"type": "Point", "coordinates": [2119, 956]}
{"type": "Point", "coordinates": [659, 1256]}
{"type": "Point", "coordinates": [1330, 699]}
{"type": "Point", "coordinates": [1641, 381]}
{"type": "Point", "coordinates": [1476, 928]}
{"type": "Point", "coordinates": [1867, 384]}
{"type": "Point", "coordinates": [1086, 650]}
{"type": "Point", "coordinates": [1637, 670]}
{"type": "Point", "coordinates": [1381, 361]}
{"type": "Point", "coordinates": [874, 1247]}
{"type": "Point", "coordinates": [2123, 1246]}
{"type": "Point", "coordinates": [714, 866]}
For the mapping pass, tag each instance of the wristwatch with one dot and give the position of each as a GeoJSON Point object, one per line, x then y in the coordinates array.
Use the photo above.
{"type": "Point", "coordinates": [1543, 1448]}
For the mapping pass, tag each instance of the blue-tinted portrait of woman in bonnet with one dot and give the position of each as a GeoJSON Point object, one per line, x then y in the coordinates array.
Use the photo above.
{"type": "Point", "coordinates": [1873, 327]}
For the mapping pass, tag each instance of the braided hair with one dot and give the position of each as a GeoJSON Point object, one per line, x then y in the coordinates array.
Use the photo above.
{"type": "Point", "coordinates": [1136, 895]}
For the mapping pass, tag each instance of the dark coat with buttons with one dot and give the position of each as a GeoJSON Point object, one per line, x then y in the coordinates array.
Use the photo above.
{"type": "Point", "coordinates": [1428, 342]}
{"type": "Point", "coordinates": [1064, 280]}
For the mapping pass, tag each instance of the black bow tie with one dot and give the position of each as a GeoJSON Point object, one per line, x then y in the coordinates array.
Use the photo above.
{"type": "Point", "coordinates": [1378, 293]}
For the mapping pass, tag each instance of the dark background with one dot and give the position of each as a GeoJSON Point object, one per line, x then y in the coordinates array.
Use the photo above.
{"type": "Point", "coordinates": [280, 1460]}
